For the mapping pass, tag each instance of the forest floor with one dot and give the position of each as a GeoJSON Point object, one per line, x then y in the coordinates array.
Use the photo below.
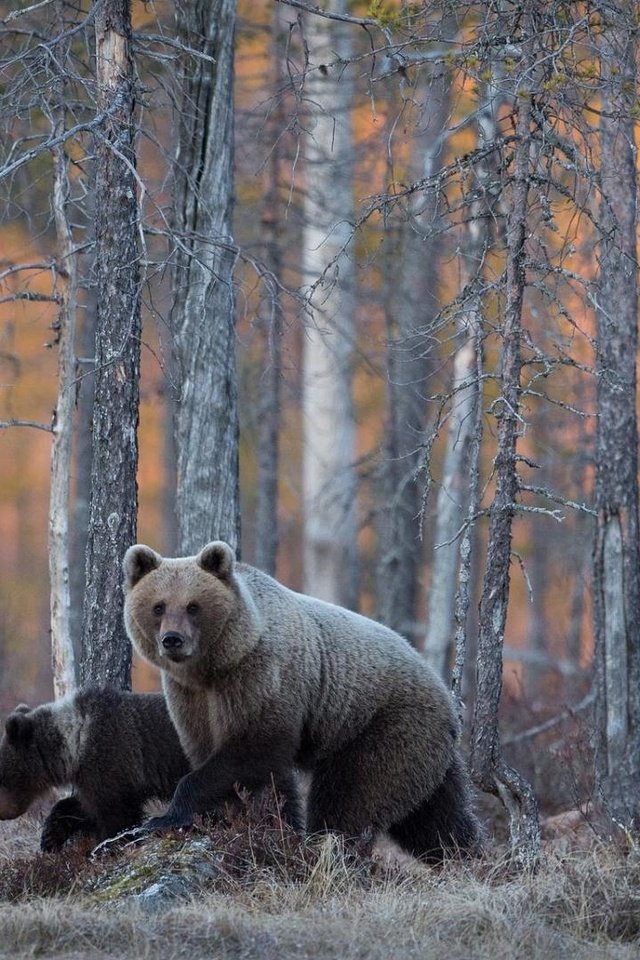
{"type": "Point", "coordinates": [251, 889]}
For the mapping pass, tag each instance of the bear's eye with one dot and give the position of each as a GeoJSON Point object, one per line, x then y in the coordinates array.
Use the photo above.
{"type": "Point", "coordinates": [158, 609]}
{"type": "Point", "coordinates": [192, 608]}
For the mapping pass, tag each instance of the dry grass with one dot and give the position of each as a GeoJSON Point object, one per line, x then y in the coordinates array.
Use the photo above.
{"type": "Point", "coordinates": [250, 890]}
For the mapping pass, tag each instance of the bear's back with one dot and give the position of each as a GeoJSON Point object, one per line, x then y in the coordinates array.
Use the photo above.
{"type": "Point", "coordinates": [343, 666]}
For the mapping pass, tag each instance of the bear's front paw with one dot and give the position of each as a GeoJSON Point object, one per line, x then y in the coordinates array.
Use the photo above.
{"type": "Point", "coordinates": [54, 835]}
{"type": "Point", "coordinates": [169, 821]}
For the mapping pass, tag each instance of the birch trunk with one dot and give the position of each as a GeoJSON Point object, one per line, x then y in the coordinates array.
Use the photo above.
{"type": "Point", "coordinates": [62, 651]}
{"type": "Point", "coordinates": [113, 506]}
{"type": "Point", "coordinates": [329, 478]}
{"type": "Point", "coordinates": [617, 554]}
{"type": "Point", "coordinates": [206, 421]}
{"type": "Point", "coordinates": [466, 394]}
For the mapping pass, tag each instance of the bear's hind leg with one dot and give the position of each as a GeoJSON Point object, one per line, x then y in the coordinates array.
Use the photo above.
{"type": "Point", "coordinates": [442, 824]}
{"type": "Point", "coordinates": [377, 778]}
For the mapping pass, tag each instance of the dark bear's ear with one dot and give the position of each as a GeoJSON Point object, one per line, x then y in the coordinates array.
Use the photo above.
{"type": "Point", "coordinates": [217, 558]}
{"type": "Point", "coordinates": [138, 562]}
{"type": "Point", "coordinates": [19, 728]}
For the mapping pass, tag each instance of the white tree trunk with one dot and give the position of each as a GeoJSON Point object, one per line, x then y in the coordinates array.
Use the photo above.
{"type": "Point", "coordinates": [453, 493]}
{"type": "Point", "coordinates": [329, 479]}
{"type": "Point", "coordinates": [62, 652]}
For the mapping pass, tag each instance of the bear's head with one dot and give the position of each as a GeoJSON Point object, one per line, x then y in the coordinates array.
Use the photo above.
{"type": "Point", "coordinates": [23, 773]}
{"type": "Point", "coordinates": [177, 609]}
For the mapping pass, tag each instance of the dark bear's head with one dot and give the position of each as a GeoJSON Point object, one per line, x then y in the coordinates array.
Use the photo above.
{"type": "Point", "coordinates": [23, 772]}
{"type": "Point", "coordinates": [176, 609]}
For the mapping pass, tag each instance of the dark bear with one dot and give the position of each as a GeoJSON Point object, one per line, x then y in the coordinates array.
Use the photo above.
{"type": "Point", "coordinates": [115, 749]}
{"type": "Point", "coordinates": [259, 679]}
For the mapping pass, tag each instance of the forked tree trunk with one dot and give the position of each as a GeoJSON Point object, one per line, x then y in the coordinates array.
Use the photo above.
{"type": "Point", "coordinates": [329, 479]}
{"type": "Point", "coordinates": [617, 553]}
{"type": "Point", "coordinates": [206, 419]}
{"type": "Point", "coordinates": [113, 507]}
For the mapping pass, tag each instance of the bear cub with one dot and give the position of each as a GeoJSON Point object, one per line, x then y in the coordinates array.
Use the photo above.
{"type": "Point", "coordinates": [259, 680]}
{"type": "Point", "coordinates": [116, 749]}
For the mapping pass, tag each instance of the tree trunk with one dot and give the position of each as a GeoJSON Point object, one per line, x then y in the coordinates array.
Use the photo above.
{"type": "Point", "coordinates": [465, 395]}
{"type": "Point", "coordinates": [329, 478]}
{"type": "Point", "coordinates": [62, 651]}
{"type": "Point", "coordinates": [412, 306]}
{"type": "Point", "coordinates": [617, 555]}
{"type": "Point", "coordinates": [113, 506]}
{"type": "Point", "coordinates": [270, 323]}
{"type": "Point", "coordinates": [206, 422]}
{"type": "Point", "coordinates": [489, 770]}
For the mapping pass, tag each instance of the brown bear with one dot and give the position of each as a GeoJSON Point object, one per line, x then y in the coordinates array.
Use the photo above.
{"type": "Point", "coordinates": [259, 680]}
{"type": "Point", "coordinates": [117, 750]}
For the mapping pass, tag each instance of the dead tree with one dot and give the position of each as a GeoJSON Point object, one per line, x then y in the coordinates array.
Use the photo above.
{"type": "Point", "coordinates": [616, 579]}
{"type": "Point", "coordinates": [66, 286]}
{"type": "Point", "coordinates": [489, 769]}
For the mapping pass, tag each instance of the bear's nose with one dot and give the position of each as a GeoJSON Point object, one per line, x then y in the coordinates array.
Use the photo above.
{"type": "Point", "coordinates": [171, 641]}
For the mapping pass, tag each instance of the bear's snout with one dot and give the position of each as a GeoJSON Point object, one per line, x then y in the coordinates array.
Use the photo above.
{"type": "Point", "coordinates": [173, 644]}
{"type": "Point", "coordinates": [172, 640]}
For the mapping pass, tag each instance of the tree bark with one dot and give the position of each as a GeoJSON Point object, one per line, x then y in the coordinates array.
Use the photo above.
{"type": "Point", "coordinates": [329, 478]}
{"type": "Point", "coordinates": [617, 553]}
{"type": "Point", "coordinates": [206, 420]}
{"type": "Point", "coordinates": [489, 770]}
{"type": "Point", "coordinates": [113, 506]}
{"type": "Point", "coordinates": [62, 651]}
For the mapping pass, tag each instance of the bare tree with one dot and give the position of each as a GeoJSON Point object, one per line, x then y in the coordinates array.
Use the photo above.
{"type": "Point", "coordinates": [617, 553]}
{"type": "Point", "coordinates": [489, 769]}
{"type": "Point", "coordinates": [206, 418]}
{"type": "Point", "coordinates": [106, 654]}
{"type": "Point", "coordinates": [329, 479]}
{"type": "Point", "coordinates": [62, 649]}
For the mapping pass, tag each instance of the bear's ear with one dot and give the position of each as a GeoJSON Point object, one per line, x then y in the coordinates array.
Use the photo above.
{"type": "Point", "coordinates": [217, 558]}
{"type": "Point", "coordinates": [19, 728]}
{"type": "Point", "coordinates": [138, 562]}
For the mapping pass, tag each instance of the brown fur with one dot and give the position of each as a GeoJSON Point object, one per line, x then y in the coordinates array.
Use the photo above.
{"type": "Point", "coordinates": [116, 749]}
{"type": "Point", "coordinates": [259, 679]}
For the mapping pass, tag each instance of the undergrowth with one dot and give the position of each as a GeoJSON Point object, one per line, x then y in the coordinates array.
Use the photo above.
{"type": "Point", "coordinates": [250, 886]}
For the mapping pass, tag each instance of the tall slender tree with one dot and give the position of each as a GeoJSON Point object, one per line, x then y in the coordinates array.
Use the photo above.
{"type": "Point", "coordinates": [62, 648]}
{"type": "Point", "coordinates": [106, 654]}
{"type": "Point", "coordinates": [206, 409]}
{"type": "Point", "coordinates": [462, 420]}
{"type": "Point", "coordinates": [412, 307]}
{"type": "Point", "coordinates": [329, 479]}
{"type": "Point", "coordinates": [489, 768]}
{"type": "Point", "coordinates": [617, 548]}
